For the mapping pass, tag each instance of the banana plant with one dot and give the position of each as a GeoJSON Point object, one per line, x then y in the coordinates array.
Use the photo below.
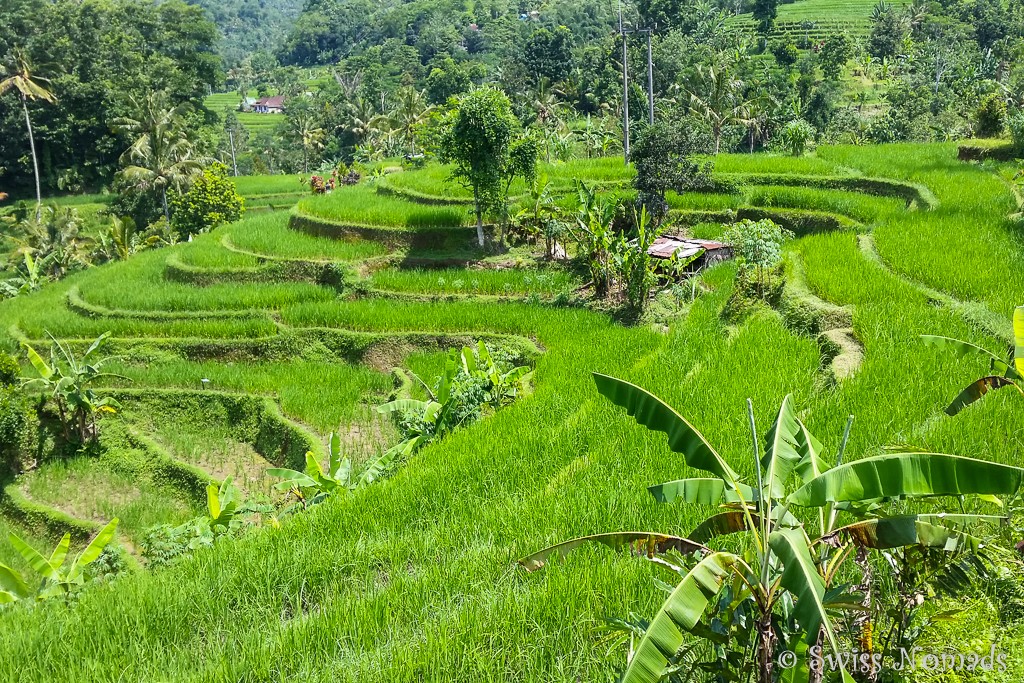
{"type": "Point", "coordinates": [69, 382]}
{"type": "Point", "coordinates": [53, 579]}
{"type": "Point", "coordinates": [315, 484]}
{"type": "Point", "coordinates": [502, 386]}
{"type": "Point", "coordinates": [1002, 373]}
{"type": "Point", "coordinates": [790, 573]}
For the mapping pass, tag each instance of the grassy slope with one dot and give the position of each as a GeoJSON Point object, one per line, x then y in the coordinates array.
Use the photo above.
{"type": "Point", "coordinates": [413, 579]}
{"type": "Point", "coordinates": [824, 17]}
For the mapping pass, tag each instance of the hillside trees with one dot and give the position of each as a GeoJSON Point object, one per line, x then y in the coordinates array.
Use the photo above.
{"type": "Point", "coordinates": [98, 54]}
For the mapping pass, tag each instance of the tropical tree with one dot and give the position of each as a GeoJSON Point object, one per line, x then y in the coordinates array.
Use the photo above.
{"type": "Point", "coordinates": [162, 157]}
{"type": "Point", "coordinates": [28, 277]}
{"type": "Point", "coordinates": [69, 381]}
{"type": "Point", "coordinates": [1002, 373]}
{"type": "Point", "coordinates": [55, 240]}
{"type": "Point", "coordinates": [409, 112]}
{"type": "Point", "coordinates": [361, 118]}
{"type": "Point", "coordinates": [52, 579]}
{"type": "Point", "coordinates": [716, 97]}
{"type": "Point", "coordinates": [28, 87]}
{"type": "Point", "coordinates": [305, 129]}
{"type": "Point", "coordinates": [484, 141]}
{"type": "Point", "coordinates": [788, 577]}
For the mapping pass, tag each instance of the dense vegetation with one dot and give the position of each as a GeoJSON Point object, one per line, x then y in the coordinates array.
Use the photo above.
{"type": "Point", "coordinates": [286, 396]}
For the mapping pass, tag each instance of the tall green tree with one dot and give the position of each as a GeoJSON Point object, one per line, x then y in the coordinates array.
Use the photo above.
{"type": "Point", "coordinates": [28, 86]}
{"type": "Point", "coordinates": [484, 141]}
{"type": "Point", "coordinates": [162, 157]}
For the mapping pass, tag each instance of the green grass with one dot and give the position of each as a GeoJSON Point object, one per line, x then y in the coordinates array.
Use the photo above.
{"type": "Point", "coordinates": [151, 292]}
{"type": "Point", "coordinates": [363, 205]}
{"type": "Point", "coordinates": [269, 234]}
{"type": "Point", "coordinates": [90, 489]}
{"type": "Point", "coordinates": [324, 396]}
{"type": "Point", "coordinates": [414, 575]}
{"type": "Point", "coordinates": [480, 281]}
{"type": "Point", "coordinates": [434, 180]}
{"type": "Point", "coordinates": [260, 185]}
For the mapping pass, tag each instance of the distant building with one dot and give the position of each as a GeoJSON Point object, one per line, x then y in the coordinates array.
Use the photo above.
{"type": "Point", "coordinates": [269, 105]}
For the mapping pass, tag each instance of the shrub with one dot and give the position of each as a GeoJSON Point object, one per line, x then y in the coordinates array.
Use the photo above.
{"type": "Point", "coordinates": [211, 201]}
{"type": "Point", "coordinates": [990, 118]}
{"type": "Point", "coordinates": [797, 136]}
{"type": "Point", "coordinates": [758, 246]}
{"type": "Point", "coordinates": [785, 52]}
{"type": "Point", "coordinates": [10, 371]}
{"type": "Point", "coordinates": [17, 428]}
{"type": "Point", "coordinates": [665, 156]}
{"type": "Point", "coordinates": [1016, 125]}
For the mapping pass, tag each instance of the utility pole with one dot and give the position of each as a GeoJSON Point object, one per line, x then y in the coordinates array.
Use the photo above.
{"type": "Point", "coordinates": [650, 78]}
{"type": "Point", "coordinates": [625, 89]}
{"type": "Point", "coordinates": [234, 163]}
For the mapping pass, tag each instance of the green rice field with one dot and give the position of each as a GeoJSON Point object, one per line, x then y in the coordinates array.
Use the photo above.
{"type": "Point", "coordinates": [295, 322]}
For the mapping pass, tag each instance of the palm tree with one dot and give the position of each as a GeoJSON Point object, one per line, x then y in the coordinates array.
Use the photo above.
{"type": "Point", "coordinates": [29, 88]}
{"type": "Point", "coordinates": [409, 111]}
{"type": "Point", "coordinates": [162, 156]}
{"type": "Point", "coordinates": [363, 118]}
{"type": "Point", "coordinates": [304, 128]}
{"type": "Point", "coordinates": [717, 97]}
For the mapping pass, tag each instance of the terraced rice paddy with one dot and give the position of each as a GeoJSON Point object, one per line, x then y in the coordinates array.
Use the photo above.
{"type": "Point", "coordinates": [413, 578]}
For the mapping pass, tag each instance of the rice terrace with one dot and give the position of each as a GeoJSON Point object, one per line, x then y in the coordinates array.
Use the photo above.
{"type": "Point", "coordinates": [350, 341]}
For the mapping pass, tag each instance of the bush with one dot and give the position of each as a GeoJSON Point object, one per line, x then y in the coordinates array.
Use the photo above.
{"type": "Point", "coordinates": [1016, 126]}
{"type": "Point", "coordinates": [211, 201]}
{"type": "Point", "coordinates": [17, 428]}
{"type": "Point", "coordinates": [797, 136]}
{"type": "Point", "coordinates": [10, 370]}
{"type": "Point", "coordinates": [990, 118]}
{"type": "Point", "coordinates": [758, 247]}
{"type": "Point", "coordinates": [785, 52]}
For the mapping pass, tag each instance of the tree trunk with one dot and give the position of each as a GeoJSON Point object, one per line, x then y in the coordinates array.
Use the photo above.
{"type": "Point", "coordinates": [167, 211]}
{"type": "Point", "coordinates": [765, 649]}
{"type": "Point", "coordinates": [479, 218]}
{"type": "Point", "coordinates": [35, 159]}
{"type": "Point", "coordinates": [718, 139]}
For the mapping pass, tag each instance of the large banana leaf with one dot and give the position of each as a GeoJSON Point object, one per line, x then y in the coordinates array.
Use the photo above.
{"type": "Point", "coordinates": [44, 370]}
{"type": "Point", "coordinates": [653, 413]}
{"type": "Point", "coordinates": [963, 348]}
{"type": "Point", "coordinates": [903, 531]}
{"type": "Point", "coordinates": [706, 491]}
{"type": "Point", "coordinates": [976, 390]}
{"type": "Point", "coordinates": [92, 551]}
{"type": "Point", "coordinates": [12, 585]}
{"type": "Point", "coordinates": [679, 613]}
{"type": "Point", "coordinates": [291, 479]}
{"type": "Point", "coordinates": [902, 475]}
{"type": "Point", "coordinates": [644, 543]}
{"type": "Point", "coordinates": [781, 456]}
{"type": "Point", "coordinates": [722, 524]}
{"type": "Point", "coordinates": [811, 463]}
{"type": "Point", "coordinates": [801, 578]}
{"type": "Point", "coordinates": [1018, 339]}
{"type": "Point", "coordinates": [40, 565]}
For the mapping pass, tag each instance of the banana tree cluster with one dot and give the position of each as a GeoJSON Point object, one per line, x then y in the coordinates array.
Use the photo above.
{"type": "Point", "coordinates": [470, 382]}
{"type": "Point", "coordinates": [52, 578]}
{"type": "Point", "coordinates": [315, 484]}
{"type": "Point", "coordinates": [68, 381]}
{"type": "Point", "coordinates": [789, 574]}
{"type": "Point", "coordinates": [1002, 373]}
